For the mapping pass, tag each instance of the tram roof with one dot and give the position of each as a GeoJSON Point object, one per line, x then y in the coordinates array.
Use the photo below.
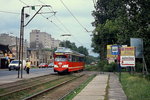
{"type": "Point", "coordinates": [68, 51]}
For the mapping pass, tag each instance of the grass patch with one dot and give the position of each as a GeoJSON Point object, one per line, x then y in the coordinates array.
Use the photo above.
{"type": "Point", "coordinates": [92, 68]}
{"type": "Point", "coordinates": [25, 93]}
{"type": "Point", "coordinates": [107, 88]}
{"type": "Point", "coordinates": [135, 87]}
{"type": "Point", "coordinates": [73, 93]}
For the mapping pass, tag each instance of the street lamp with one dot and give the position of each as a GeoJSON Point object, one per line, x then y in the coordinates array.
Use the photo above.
{"type": "Point", "coordinates": [66, 35]}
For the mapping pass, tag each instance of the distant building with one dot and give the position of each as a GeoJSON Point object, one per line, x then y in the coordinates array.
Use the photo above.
{"type": "Point", "coordinates": [7, 39]}
{"type": "Point", "coordinates": [37, 56]}
{"type": "Point", "coordinates": [5, 56]}
{"type": "Point", "coordinates": [42, 40]}
{"type": "Point", "coordinates": [13, 44]}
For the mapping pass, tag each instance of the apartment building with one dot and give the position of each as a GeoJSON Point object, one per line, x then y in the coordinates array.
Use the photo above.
{"type": "Point", "coordinates": [42, 40]}
{"type": "Point", "coordinates": [41, 46]}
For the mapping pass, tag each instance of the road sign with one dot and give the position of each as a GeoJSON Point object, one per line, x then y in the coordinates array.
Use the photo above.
{"type": "Point", "coordinates": [115, 50]}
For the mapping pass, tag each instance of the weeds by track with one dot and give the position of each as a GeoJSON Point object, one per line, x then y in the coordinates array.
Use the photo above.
{"type": "Point", "coordinates": [51, 88]}
{"type": "Point", "coordinates": [20, 90]}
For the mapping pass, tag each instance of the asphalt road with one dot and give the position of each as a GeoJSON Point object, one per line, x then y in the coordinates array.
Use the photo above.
{"type": "Point", "coordinates": [6, 72]}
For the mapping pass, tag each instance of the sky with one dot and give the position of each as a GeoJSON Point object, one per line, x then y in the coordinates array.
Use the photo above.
{"type": "Point", "coordinates": [63, 22]}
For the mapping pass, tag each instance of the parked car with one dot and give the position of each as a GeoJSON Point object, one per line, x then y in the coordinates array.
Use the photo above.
{"type": "Point", "coordinates": [14, 65]}
{"type": "Point", "coordinates": [43, 65]}
{"type": "Point", "coordinates": [51, 65]}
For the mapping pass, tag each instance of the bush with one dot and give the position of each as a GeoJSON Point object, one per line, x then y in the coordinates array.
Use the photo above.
{"type": "Point", "coordinates": [110, 67]}
{"type": "Point", "coordinates": [104, 66]}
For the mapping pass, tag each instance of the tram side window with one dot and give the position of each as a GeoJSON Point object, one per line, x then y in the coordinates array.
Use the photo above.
{"type": "Point", "coordinates": [77, 59]}
{"type": "Point", "coordinates": [73, 59]}
{"type": "Point", "coordinates": [80, 59]}
{"type": "Point", "coordinates": [69, 58]}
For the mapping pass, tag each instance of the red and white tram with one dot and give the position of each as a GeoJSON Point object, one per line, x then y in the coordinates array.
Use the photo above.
{"type": "Point", "coordinates": [67, 60]}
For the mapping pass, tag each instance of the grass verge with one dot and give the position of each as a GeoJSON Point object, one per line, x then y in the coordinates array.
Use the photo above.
{"type": "Point", "coordinates": [73, 93]}
{"type": "Point", "coordinates": [135, 87]}
{"type": "Point", "coordinates": [107, 89]}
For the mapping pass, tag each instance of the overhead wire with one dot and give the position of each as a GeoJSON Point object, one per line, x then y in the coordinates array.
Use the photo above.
{"type": "Point", "coordinates": [73, 16]}
{"type": "Point", "coordinates": [57, 18]}
{"type": "Point", "coordinates": [58, 21]}
{"type": "Point", "coordinates": [44, 17]}
{"type": "Point", "coordinates": [23, 2]}
{"type": "Point", "coordinates": [64, 25]}
{"type": "Point", "coordinates": [9, 12]}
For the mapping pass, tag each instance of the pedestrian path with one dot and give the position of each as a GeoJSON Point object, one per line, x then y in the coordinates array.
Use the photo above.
{"type": "Point", "coordinates": [115, 89]}
{"type": "Point", "coordinates": [95, 90]}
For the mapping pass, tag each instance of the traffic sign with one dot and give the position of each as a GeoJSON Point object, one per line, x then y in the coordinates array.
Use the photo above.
{"type": "Point", "coordinates": [115, 50]}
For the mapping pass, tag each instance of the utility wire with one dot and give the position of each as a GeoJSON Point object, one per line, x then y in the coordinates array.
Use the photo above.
{"type": "Point", "coordinates": [57, 18]}
{"type": "Point", "coordinates": [63, 25]}
{"type": "Point", "coordinates": [44, 16]}
{"type": "Point", "coordinates": [9, 12]}
{"type": "Point", "coordinates": [23, 2]}
{"type": "Point", "coordinates": [53, 23]}
{"type": "Point", "coordinates": [73, 16]}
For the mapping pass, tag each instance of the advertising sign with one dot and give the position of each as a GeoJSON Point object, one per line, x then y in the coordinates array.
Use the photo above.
{"type": "Point", "coordinates": [110, 57]}
{"type": "Point", "coordinates": [127, 61]}
{"type": "Point", "coordinates": [138, 44]}
{"type": "Point", "coordinates": [127, 57]}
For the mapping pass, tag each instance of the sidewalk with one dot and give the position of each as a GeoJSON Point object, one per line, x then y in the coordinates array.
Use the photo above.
{"type": "Point", "coordinates": [115, 89]}
{"type": "Point", "coordinates": [96, 89]}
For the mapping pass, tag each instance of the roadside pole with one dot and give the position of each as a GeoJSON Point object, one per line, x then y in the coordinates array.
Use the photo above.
{"type": "Point", "coordinates": [21, 42]}
{"type": "Point", "coordinates": [115, 50]}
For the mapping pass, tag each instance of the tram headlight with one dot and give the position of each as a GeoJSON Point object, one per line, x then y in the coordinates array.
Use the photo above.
{"type": "Point", "coordinates": [65, 66]}
{"type": "Point", "coordinates": [56, 66]}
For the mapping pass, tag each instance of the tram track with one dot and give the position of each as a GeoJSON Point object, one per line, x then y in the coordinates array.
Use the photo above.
{"type": "Point", "coordinates": [23, 82]}
{"type": "Point", "coordinates": [17, 86]}
{"type": "Point", "coordinates": [34, 87]}
{"type": "Point", "coordinates": [52, 88]}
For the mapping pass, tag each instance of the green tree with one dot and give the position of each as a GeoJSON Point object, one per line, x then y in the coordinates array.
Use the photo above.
{"type": "Point", "coordinates": [117, 21]}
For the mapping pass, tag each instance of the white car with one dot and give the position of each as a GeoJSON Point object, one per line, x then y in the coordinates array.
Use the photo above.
{"type": "Point", "coordinates": [51, 65]}
{"type": "Point", "coordinates": [14, 65]}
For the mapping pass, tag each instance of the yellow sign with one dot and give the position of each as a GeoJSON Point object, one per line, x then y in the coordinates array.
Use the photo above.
{"type": "Point", "coordinates": [59, 53]}
{"type": "Point", "coordinates": [109, 55]}
{"type": "Point", "coordinates": [127, 51]}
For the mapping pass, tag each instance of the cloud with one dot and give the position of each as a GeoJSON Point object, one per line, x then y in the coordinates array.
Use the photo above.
{"type": "Point", "coordinates": [81, 9]}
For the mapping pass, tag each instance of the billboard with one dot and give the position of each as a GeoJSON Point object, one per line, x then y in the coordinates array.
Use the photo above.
{"type": "Point", "coordinates": [110, 57]}
{"type": "Point", "coordinates": [127, 56]}
{"type": "Point", "coordinates": [138, 44]}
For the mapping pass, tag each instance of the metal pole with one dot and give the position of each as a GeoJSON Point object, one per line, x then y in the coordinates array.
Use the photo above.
{"type": "Point", "coordinates": [16, 48]}
{"type": "Point", "coordinates": [21, 42]}
{"type": "Point", "coordinates": [22, 36]}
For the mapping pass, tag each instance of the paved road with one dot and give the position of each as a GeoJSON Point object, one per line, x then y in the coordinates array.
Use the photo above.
{"type": "Point", "coordinates": [11, 76]}
{"type": "Point", "coordinates": [6, 72]}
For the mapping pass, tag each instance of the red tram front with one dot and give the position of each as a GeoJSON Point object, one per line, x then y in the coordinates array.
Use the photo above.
{"type": "Point", "coordinates": [67, 60]}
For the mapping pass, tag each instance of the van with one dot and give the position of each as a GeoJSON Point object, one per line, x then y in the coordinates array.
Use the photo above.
{"type": "Point", "coordinates": [14, 65]}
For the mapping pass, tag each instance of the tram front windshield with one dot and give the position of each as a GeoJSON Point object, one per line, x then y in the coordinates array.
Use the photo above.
{"type": "Point", "coordinates": [61, 58]}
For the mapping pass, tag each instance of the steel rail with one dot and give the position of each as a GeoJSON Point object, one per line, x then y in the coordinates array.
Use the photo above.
{"type": "Point", "coordinates": [51, 88]}
{"type": "Point", "coordinates": [26, 88]}
{"type": "Point", "coordinates": [5, 86]}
